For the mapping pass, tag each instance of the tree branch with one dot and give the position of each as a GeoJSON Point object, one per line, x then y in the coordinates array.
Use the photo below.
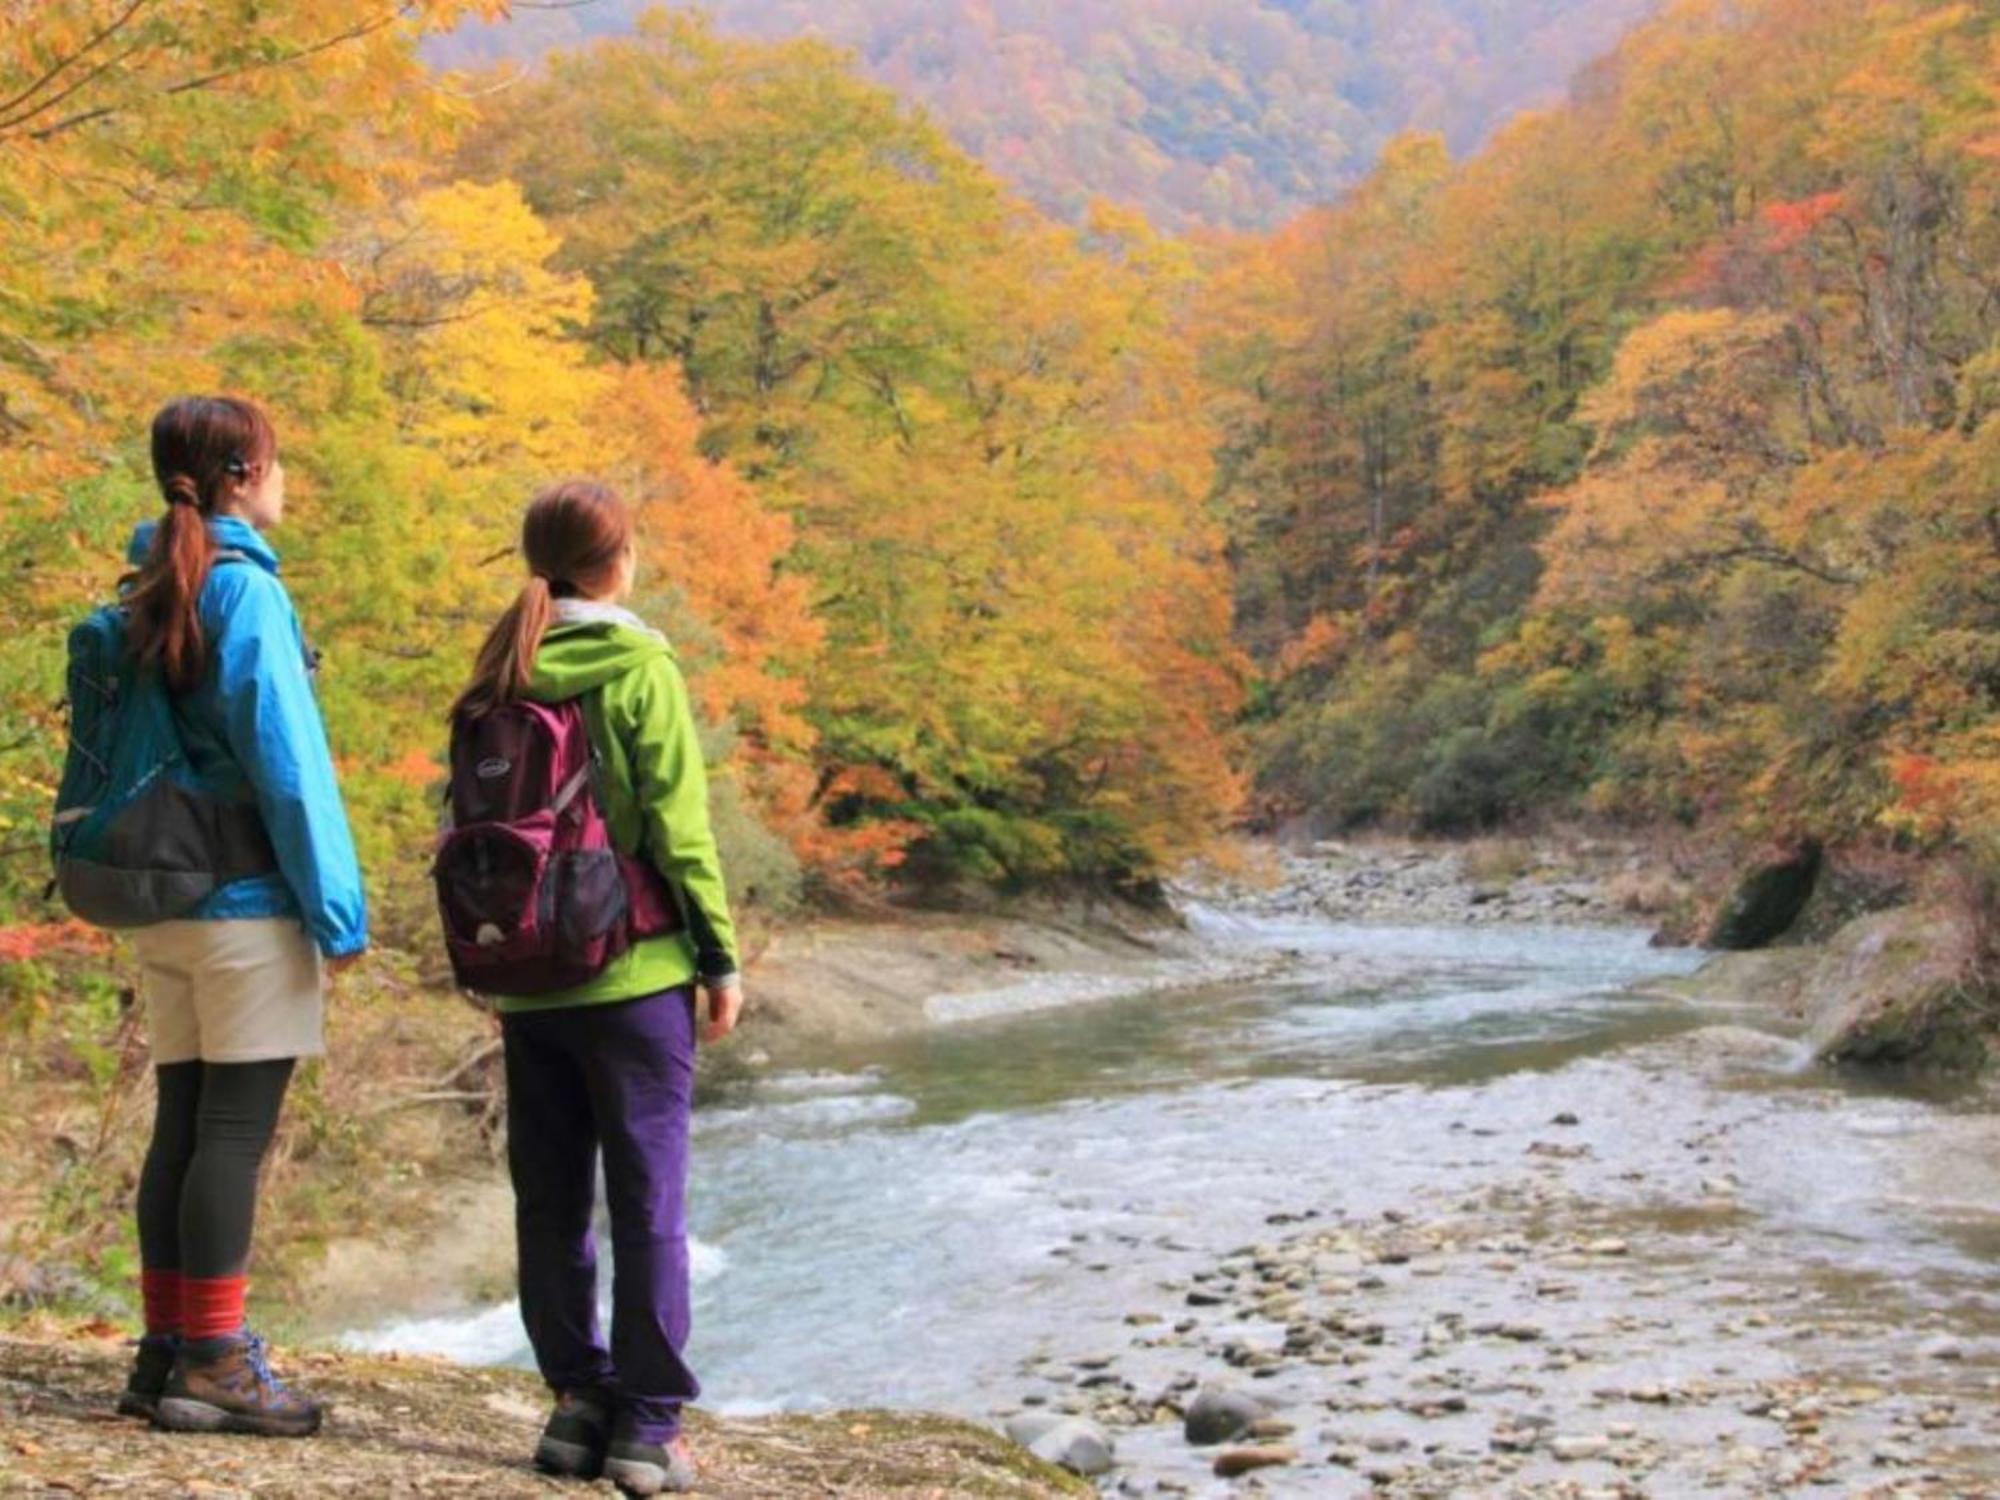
{"type": "Point", "coordinates": [53, 73]}
{"type": "Point", "coordinates": [1771, 556]}
{"type": "Point", "coordinates": [223, 75]}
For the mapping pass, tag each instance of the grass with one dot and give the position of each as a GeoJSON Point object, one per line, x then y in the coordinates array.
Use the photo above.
{"type": "Point", "coordinates": [360, 1151]}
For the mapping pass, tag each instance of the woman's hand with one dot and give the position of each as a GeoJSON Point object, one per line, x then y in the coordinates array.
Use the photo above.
{"type": "Point", "coordinates": [725, 1005]}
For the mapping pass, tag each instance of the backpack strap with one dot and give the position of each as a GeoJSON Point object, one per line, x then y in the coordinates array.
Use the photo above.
{"type": "Point", "coordinates": [578, 780]}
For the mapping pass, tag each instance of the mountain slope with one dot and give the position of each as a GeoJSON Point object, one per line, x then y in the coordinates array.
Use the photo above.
{"type": "Point", "coordinates": [1229, 113]}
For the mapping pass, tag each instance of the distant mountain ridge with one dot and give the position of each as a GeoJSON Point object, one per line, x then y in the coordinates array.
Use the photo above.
{"type": "Point", "coordinates": [1220, 113]}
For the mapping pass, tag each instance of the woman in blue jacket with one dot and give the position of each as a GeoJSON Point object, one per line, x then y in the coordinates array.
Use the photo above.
{"type": "Point", "coordinates": [234, 991]}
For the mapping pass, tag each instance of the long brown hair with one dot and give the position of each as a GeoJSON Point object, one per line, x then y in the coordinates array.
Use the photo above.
{"type": "Point", "coordinates": [573, 538]}
{"type": "Point", "coordinates": [200, 444]}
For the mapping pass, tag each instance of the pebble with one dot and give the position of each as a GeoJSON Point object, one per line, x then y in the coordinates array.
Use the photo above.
{"type": "Point", "coordinates": [1218, 1415]}
{"type": "Point", "coordinates": [1078, 1445]}
{"type": "Point", "coordinates": [1577, 1449]}
{"type": "Point", "coordinates": [1233, 1461]}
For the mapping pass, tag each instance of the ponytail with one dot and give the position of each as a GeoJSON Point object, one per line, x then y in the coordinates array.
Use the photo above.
{"type": "Point", "coordinates": [164, 596]}
{"type": "Point", "coordinates": [507, 659]}
{"type": "Point", "coordinates": [200, 443]}
{"type": "Point", "coordinates": [574, 537]}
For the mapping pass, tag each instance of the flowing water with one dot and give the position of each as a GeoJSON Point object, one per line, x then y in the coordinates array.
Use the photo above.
{"type": "Point", "coordinates": [950, 1220]}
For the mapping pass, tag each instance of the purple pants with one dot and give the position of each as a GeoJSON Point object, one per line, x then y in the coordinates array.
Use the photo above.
{"type": "Point", "coordinates": [617, 1077]}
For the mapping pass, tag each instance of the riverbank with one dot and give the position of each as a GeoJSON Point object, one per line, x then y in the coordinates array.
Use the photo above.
{"type": "Point", "coordinates": [829, 985]}
{"type": "Point", "coordinates": [424, 1427]}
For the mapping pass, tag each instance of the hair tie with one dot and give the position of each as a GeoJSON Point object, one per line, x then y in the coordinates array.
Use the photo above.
{"type": "Point", "coordinates": [181, 490]}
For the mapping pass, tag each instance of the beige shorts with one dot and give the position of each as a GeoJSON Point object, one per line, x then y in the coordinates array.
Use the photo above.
{"type": "Point", "coordinates": [245, 989]}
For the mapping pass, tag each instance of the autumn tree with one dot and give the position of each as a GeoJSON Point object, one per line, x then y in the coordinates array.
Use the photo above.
{"type": "Point", "coordinates": [976, 421]}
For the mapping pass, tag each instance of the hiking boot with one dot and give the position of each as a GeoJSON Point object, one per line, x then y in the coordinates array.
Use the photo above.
{"type": "Point", "coordinates": [150, 1368]}
{"type": "Point", "coordinates": [226, 1385]}
{"type": "Point", "coordinates": [573, 1442]}
{"type": "Point", "coordinates": [649, 1468]}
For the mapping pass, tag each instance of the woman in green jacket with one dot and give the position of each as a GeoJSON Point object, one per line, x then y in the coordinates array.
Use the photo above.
{"type": "Point", "coordinates": [609, 1066]}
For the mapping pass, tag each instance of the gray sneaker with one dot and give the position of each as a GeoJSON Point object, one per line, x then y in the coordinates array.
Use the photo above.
{"type": "Point", "coordinates": [649, 1468]}
{"type": "Point", "coordinates": [573, 1442]}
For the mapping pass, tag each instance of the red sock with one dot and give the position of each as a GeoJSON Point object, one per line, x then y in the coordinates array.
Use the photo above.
{"type": "Point", "coordinates": [160, 1291]}
{"type": "Point", "coordinates": [212, 1306]}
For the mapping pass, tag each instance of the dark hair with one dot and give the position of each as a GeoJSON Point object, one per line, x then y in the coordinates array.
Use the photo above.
{"type": "Point", "coordinates": [573, 537]}
{"type": "Point", "coordinates": [200, 443]}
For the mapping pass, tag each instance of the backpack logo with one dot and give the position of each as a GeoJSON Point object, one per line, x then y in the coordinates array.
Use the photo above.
{"type": "Point", "coordinates": [487, 769]}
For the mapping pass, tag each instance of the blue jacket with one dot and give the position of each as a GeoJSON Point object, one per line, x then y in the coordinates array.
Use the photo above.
{"type": "Point", "coordinates": [252, 731]}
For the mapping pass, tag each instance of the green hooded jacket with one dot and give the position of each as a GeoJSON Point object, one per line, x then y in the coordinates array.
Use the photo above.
{"type": "Point", "coordinates": [654, 791]}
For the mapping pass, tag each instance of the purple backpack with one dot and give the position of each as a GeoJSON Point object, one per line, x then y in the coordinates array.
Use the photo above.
{"type": "Point", "coordinates": [533, 896]}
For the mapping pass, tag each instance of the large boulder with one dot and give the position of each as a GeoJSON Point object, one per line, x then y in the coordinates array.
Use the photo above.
{"type": "Point", "coordinates": [1766, 901]}
{"type": "Point", "coordinates": [1903, 986]}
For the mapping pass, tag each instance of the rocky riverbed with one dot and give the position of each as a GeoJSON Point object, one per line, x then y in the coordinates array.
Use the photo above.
{"type": "Point", "coordinates": [1599, 1317]}
{"type": "Point", "coordinates": [1568, 878]}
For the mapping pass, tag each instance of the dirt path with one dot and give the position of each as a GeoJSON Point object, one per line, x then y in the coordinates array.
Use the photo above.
{"type": "Point", "coordinates": [419, 1427]}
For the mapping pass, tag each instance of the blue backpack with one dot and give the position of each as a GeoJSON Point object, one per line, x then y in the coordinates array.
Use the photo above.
{"type": "Point", "coordinates": [135, 840]}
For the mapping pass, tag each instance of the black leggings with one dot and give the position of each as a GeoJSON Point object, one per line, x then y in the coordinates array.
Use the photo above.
{"type": "Point", "coordinates": [198, 1191]}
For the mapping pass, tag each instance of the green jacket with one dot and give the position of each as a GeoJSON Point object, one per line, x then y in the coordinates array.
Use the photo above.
{"type": "Point", "coordinates": [655, 795]}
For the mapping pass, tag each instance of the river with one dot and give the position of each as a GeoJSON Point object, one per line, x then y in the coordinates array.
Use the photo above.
{"type": "Point", "coordinates": [1638, 1222]}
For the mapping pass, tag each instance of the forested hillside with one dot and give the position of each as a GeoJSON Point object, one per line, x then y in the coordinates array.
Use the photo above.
{"type": "Point", "coordinates": [1648, 461]}
{"type": "Point", "coordinates": [930, 535]}
{"type": "Point", "coordinates": [1199, 112]}
{"type": "Point", "coordinates": [1641, 462]}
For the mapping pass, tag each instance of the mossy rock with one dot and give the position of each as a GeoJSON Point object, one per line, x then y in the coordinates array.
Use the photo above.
{"type": "Point", "coordinates": [1903, 987]}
